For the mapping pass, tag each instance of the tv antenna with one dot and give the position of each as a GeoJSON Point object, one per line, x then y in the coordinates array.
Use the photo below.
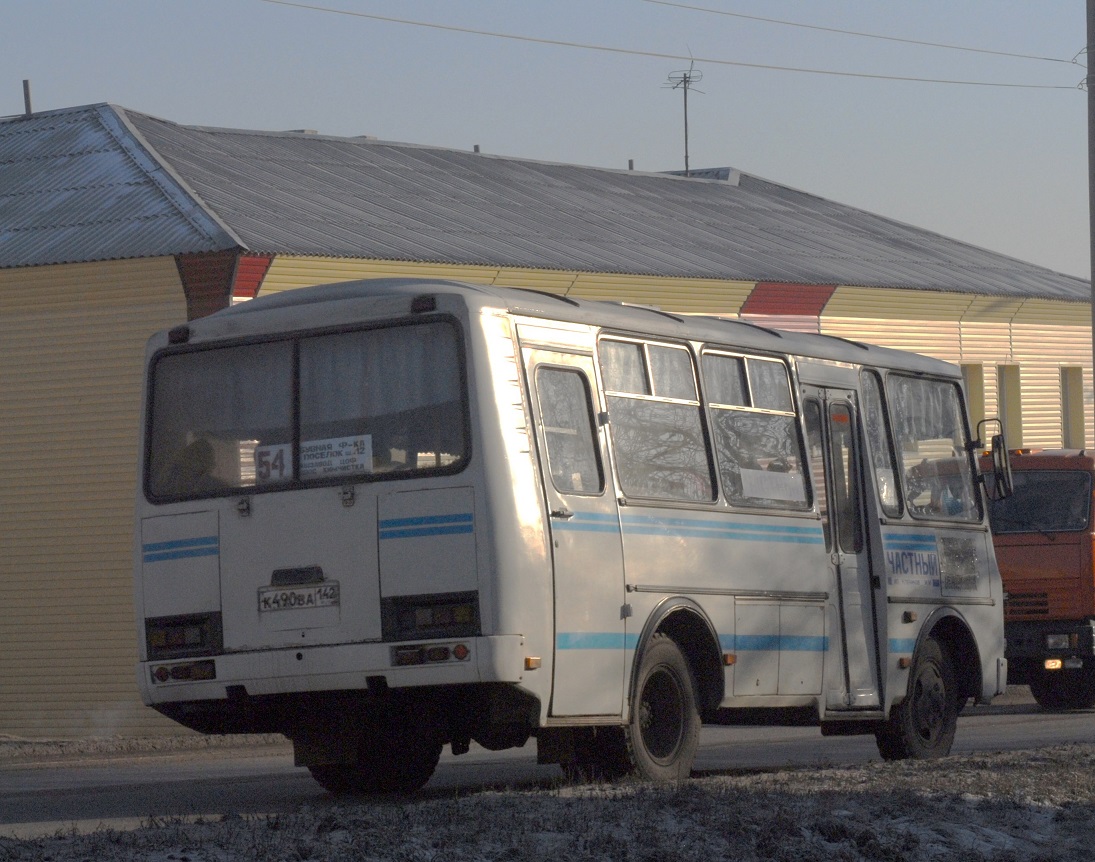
{"type": "Point", "coordinates": [685, 81]}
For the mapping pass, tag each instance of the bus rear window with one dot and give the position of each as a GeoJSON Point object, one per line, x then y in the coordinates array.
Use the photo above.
{"type": "Point", "coordinates": [347, 406]}
{"type": "Point", "coordinates": [1045, 501]}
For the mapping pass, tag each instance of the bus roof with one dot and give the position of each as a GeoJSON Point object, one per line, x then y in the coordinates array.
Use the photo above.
{"type": "Point", "coordinates": [609, 315]}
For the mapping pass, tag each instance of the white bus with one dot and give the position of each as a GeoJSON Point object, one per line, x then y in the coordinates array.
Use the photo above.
{"type": "Point", "coordinates": [384, 516]}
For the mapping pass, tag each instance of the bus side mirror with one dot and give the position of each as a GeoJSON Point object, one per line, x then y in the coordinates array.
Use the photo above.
{"type": "Point", "coordinates": [1001, 469]}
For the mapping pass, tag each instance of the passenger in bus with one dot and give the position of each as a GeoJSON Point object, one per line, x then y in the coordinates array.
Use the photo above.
{"type": "Point", "coordinates": [192, 470]}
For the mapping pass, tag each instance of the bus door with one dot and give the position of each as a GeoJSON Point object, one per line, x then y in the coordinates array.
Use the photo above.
{"type": "Point", "coordinates": [584, 527]}
{"type": "Point", "coordinates": [836, 459]}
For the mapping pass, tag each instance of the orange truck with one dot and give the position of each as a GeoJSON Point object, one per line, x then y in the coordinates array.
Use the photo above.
{"type": "Point", "coordinates": [1044, 537]}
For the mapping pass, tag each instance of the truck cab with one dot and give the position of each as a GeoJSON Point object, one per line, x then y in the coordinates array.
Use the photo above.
{"type": "Point", "coordinates": [1043, 536]}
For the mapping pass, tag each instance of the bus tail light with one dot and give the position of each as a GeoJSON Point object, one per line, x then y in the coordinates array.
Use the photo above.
{"type": "Point", "coordinates": [451, 615]}
{"type": "Point", "coordinates": [183, 636]}
{"type": "Point", "coordinates": [406, 656]}
{"type": "Point", "coordinates": [188, 672]}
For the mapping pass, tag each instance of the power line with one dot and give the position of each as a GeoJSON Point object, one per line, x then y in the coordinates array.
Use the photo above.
{"type": "Point", "coordinates": [857, 33]}
{"type": "Point", "coordinates": [660, 55]}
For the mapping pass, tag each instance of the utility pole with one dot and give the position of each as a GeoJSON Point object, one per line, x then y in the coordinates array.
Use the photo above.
{"type": "Point", "coordinates": [685, 81]}
{"type": "Point", "coordinates": [1091, 153]}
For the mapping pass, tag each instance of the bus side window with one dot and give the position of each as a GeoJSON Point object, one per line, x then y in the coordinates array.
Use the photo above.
{"type": "Point", "coordinates": [656, 423]}
{"type": "Point", "coordinates": [756, 434]}
{"type": "Point", "coordinates": [815, 445]}
{"type": "Point", "coordinates": [566, 414]}
{"type": "Point", "coordinates": [878, 442]}
{"type": "Point", "coordinates": [933, 441]}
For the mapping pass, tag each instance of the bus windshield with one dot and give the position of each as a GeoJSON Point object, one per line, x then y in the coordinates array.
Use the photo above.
{"type": "Point", "coordinates": [328, 408]}
{"type": "Point", "coordinates": [1044, 501]}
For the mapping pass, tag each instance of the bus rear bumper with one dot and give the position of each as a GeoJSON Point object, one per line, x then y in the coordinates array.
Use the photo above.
{"type": "Point", "coordinates": [347, 667]}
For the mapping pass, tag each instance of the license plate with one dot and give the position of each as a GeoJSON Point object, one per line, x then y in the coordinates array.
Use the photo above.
{"type": "Point", "coordinates": [322, 595]}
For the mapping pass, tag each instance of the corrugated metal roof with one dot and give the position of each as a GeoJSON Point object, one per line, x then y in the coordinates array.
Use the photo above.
{"type": "Point", "coordinates": [76, 185]}
{"type": "Point", "coordinates": [304, 194]}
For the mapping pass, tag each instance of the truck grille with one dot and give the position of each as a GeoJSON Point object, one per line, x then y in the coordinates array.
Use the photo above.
{"type": "Point", "coordinates": [1026, 604]}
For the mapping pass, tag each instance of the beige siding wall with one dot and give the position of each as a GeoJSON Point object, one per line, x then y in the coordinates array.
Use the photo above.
{"type": "Point", "coordinates": [1038, 336]}
{"type": "Point", "coordinates": [693, 295]}
{"type": "Point", "coordinates": [71, 349]}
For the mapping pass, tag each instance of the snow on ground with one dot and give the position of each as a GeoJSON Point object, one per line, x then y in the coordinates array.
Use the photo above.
{"type": "Point", "coordinates": [1010, 806]}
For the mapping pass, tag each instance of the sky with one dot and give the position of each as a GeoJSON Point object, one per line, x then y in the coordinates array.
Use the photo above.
{"type": "Point", "coordinates": [996, 156]}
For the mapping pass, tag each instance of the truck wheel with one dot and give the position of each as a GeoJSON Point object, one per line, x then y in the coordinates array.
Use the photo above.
{"type": "Point", "coordinates": [922, 726]}
{"type": "Point", "coordinates": [394, 760]}
{"type": "Point", "coordinates": [663, 733]}
{"type": "Point", "coordinates": [1064, 689]}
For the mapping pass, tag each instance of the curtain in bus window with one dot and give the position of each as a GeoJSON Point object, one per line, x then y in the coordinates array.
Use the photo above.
{"type": "Point", "coordinates": [769, 386]}
{"type": "Point", "coordinates": [623, 367]}
{"type": "Point", "coordinates": [380, 400]}
{"type": "Point", "coordinates": [566, 414]}
{"type": "Point", "coordinates": [725, 379]}
{"type": "Point", "coordinates": [878, 441]}
{"type": "Point", "coordinates": [671, 373]}
{"type": "Point", "coordinates": [210, 408]}
{"type": "Point", "coordinates": [933, 448]}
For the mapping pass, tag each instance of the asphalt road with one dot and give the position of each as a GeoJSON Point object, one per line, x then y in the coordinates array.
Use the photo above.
{"type": "Point", "coordinates": [84, 793]}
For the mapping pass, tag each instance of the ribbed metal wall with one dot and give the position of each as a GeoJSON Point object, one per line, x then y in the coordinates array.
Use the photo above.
{"type": "Point", "coordinates": [71, 353]}
{"type": "Point", "coordinates": [920, 321]}
{"type": "Point", "coordinates": [693, 295]}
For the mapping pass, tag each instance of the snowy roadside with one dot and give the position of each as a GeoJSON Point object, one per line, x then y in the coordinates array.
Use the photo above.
{"type": "Point", "coordinates": [1033, 805]}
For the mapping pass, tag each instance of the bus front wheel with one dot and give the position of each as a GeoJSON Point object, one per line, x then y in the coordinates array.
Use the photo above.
{"type": "Point", "coordinates": [664, 730]}
{"type": "Point", "coordinates": [922, 726]}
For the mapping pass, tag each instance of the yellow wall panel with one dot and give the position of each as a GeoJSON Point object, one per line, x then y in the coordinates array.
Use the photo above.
{"type": "Point", "coordinates": [71, 354]}
{"type": "Point", "coordinates": [892, 304]}
{"type": "Point", "coordinates": [700, 296]}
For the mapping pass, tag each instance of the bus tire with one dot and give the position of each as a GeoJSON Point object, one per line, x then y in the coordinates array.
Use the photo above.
{"type": "Point", "coordinates": [387, 762]}
{"type": "Point", "coordinates": [664, 729]}
{"type": "Point", "coordinates": [922, 726]}
{"type": "Point", "coordinates": [1063, 689]}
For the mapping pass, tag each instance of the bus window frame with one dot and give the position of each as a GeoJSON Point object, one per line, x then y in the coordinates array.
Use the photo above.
{"type": "Point", "coordinates": [294, 338]}
{"type": "Point", "coordinates": [704, 422]}
{"type": "Point", "coordinates": [910, 511]}
{"type": "Point", "coordinates": [795, 413]}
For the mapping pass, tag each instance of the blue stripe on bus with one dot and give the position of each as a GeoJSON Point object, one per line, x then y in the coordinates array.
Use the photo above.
{"type": "Point", "coordinates": [427, 525]}
{"type": "Point", "coordinates": [647, 525]}
{"type": "Point", "coordinates": [589, 522]}
{"type": "Point", "coordinates": [907, 542]}
{"type": "Point", "coordinates": [902, 645]}
{"type": "Point", "coordinates": [423, 520]}
{"type": "Point", "coordinates": [179, 549]}
{"type": "Point", "coordinates": [729, 643]}
{"type": "Point", "coordinates": [721, 529]}
{"type": "Point", "coordinates": [453, 530]}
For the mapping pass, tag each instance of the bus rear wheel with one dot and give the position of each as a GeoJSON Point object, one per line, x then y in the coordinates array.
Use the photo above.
{"type": "Point", "coordinates": [664, 731]}
{"type": "Point", "coordinates": [1064, 689]}
{"type": "Point", "coordinates": [922, 726]}
{"type": "Point", "coordinates": [390, 760]}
